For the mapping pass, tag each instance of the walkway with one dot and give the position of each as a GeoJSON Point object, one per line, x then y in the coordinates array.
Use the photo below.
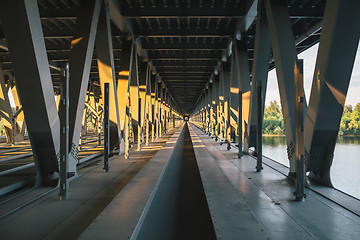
{"type": "Point", "coordinates": [188, 190]}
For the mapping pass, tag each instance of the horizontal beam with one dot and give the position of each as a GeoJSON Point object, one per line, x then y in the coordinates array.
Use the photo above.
{"type": "Point", "coordinates": [173, 10]}
{"type": "Point", "coordinates": [185, 82]}
{"type": "Point", "coordinates": [185, 63]}
{"type": "Point", "coordinates": [175, 32]}
{"type": "Point", "coordinates": [186, 78]}
{"type": "Point", "coordinates": [189, 55]}
{"type": "Point", "coordinates": [169, 75]}
{"type": "Point", "coordinates": [59, 13]}
{"type": "Point", "coordinates": [190, 46]}
{"type": "Point", "coordinates": [185, 69]}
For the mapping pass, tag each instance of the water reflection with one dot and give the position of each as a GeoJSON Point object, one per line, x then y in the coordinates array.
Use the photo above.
{"type": "Point", "coordinates": [345, 166]}
{"type": "Point", "coordinates": [348, 140]}
{"type": "Point", "coordinates": [274, 141]}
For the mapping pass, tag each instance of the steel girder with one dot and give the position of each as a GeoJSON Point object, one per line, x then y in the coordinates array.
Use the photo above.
{"type": "Point", "coordinates": [226, 75]}
{"type": "Point", "coordinates": [80, 57]}
{"type": "Point", "coordinates": [28, 53]}
{"type": "Point", "coordinates": [259, 73]}
{"type": "Point", "coordinates": [334, 64]}
{"type": "Point", "coordinates": [285, 58]}
{"type": "Point", "coordinates": [240, 84]}
{"type": "Point", "coordinates": [123, 78]}
{"type": "Point", "coordinates": [143, 75]}
{"type": "Point", "coordinates": [153, 105]}
{"type": "Point", "coordinates": [5, 109]}
{"type": "Point", "coordinates": [106, 68]}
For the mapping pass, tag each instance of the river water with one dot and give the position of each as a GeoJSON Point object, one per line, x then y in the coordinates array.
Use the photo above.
{"type": "Point", "coordinates": [345, 170]}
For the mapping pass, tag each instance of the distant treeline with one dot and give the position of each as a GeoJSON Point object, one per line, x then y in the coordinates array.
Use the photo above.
{"type": "Point", "coordinates": [274, 123]}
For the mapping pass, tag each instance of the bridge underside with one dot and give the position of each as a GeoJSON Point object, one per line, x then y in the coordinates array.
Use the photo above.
{"type": "Point", "coordinates": [166, 60]}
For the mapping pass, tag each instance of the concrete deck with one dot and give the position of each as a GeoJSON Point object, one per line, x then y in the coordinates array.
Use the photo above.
{"type": "Point", "coordinates": [42, 215]}
{"type": "Point", "coordinates": [243, 203]}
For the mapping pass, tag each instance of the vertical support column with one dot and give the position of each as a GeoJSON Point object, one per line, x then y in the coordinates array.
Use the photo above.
{"type": "Point", "coordinates": [334, 64]}
{"type": "Point", "coordinates": [20, 121]}
{"type": "Point", "coordinates": [160, 108]}
{"type": "Point", "coordinates": [212, 107]}
{"type": "Point", "coordinates": [29, 59]}
{"type": "Point", "coordinates": [209, 101]}
{"type": "Point", "coordinates": [64, 136]}
{"type": "Point", "coordinates": [80, 58]}
{"type": "Point", "coordinates": [156, 109]}
{"type": "Point", "coordinates": [240, 88]}
{"type": "Point", "coordinates": [239, 125]}
{"type": "Point", "coordinates": [259, 118]}
{"type": "Point", "coordinates": [260, 73]}
{"type": "Point", "coordinates": [106, 127]}
{"type": "Point", "coordinates": [143, 73]}
{"type": "Point", "coordinates": [153, 105]}
{"type": "Point", "coordinates": [221, 105]}
{"type": "Point", "coordinates": [6, 111]}
{"type": "Point", "coordinates": [285, 57]}
{"type": "Point", "coordinates": [216, 106]}
{"type": "Point", "coordinates": [226, 91]}
{"type": "Point", "coordinates": [299, 132]}
{"type": "Point", "coordinates": [133, 89]}
{"type": "Point", "coordinates": [105, 61]}
{"type": "Point", "coordinates": [148, 105]}
{"type": "Point", "coordinates": [122, 90]}
{"type": "Point", "coordinates": [127, 127]}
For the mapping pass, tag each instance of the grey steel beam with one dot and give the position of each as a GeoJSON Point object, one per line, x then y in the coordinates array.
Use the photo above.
{"type": "Point", "coordinates": [185, 78]}
{"type": "Point", "coordinates": [174, 75]}
{"type": "Point", "coordinates": [226, 75]}
{"type": "Point", "coordinates": [240, 83]}
{"type": "Point", "coordinates": [188, 55]}
{"type": "Point", "coordinates": [82, 47]}
{"type": "Point", "coordinates": [334, 64]}
{"type": "Point", "coordinates": [188, 69]}
{"type": "Point", "coordinates": [259, 119]}
{"type": "Point", "coordinates": [6, 112]}
{"type": "Point", "coordinates": [173, 11]}
{"type": "Point", "coordinates": [64, 136]}
{"type": "Point", "coordinates": [183, 46]}
{"type": "Point", "coordinates": [184, 32]}
{"type": "Point", "coordinates": [285, 58]}
{"type": "Point", "coordinates": [58, 12]}
{"type": "Point", "coordinates": [28, 53]}
{"type": "Point", "coordinates": [106, 94]}
{"type": "Point", "coordinates": [143, 75]}
{"type": "Point", "coordinates": [105, 61]}
{"type": "Point", "coordinates": [259, 73]}
{"type": "Point", "coordinates": [212, 63]}
{"type": "Point", "coordinates": [299, 131]}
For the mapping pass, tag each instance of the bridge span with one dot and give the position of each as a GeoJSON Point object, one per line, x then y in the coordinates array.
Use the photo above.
{"type": "Point", "coordinates": [143, 119]}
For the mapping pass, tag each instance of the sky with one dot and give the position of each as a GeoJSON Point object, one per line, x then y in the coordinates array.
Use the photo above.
{"type": "Point", "coordinates": [309, 57]}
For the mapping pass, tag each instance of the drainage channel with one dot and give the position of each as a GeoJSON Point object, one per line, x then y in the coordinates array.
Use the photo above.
{"type": "Point", "coordinates": [178, 207]}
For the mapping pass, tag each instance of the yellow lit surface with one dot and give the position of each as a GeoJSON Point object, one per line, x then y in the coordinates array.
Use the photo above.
{"type": "Point", "coordinates": [234, 90]}
{"type": "Point", "coordinates": [75, 41]}
{"type": "Point", "coordinates": [121, 93]}
{"type": "Point", "coordinates": [124, 73]}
